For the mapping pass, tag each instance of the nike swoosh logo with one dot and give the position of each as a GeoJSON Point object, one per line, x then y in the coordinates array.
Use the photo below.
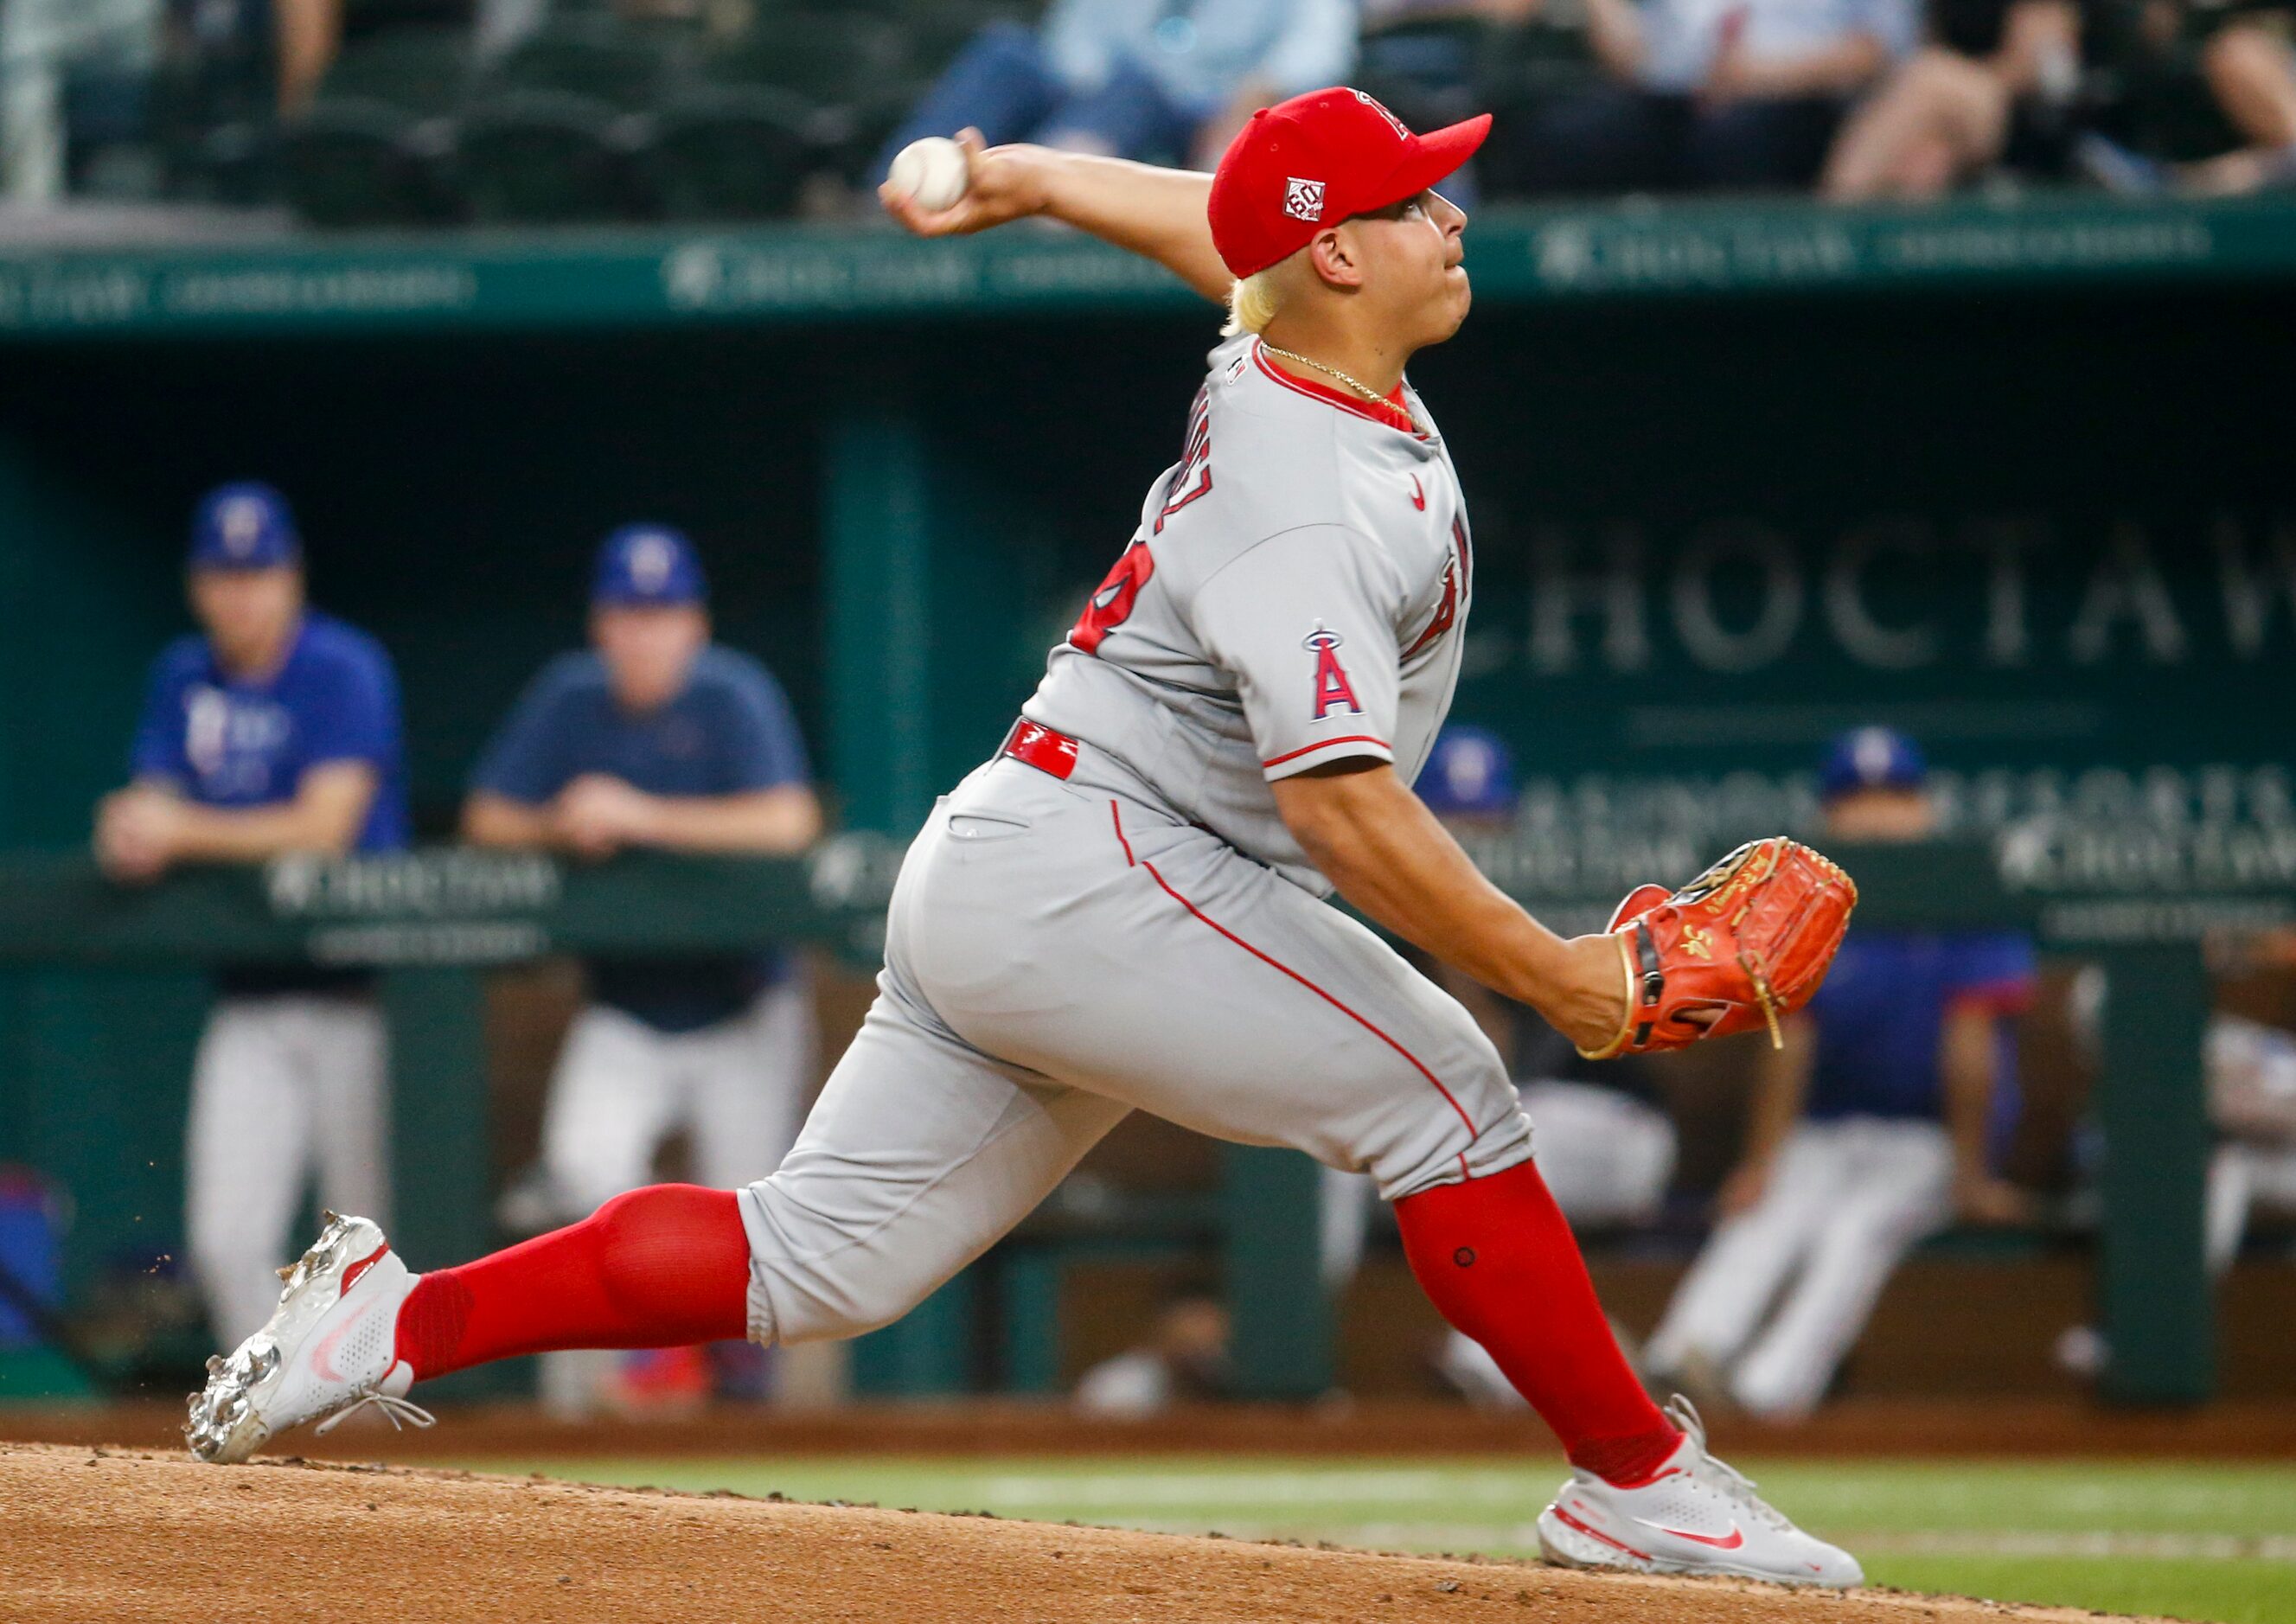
{"type": "Point", "coordinates": [1730, 1542]}
{"type": "Point", "coordinates": [323, 1356]}
{"type": "Point", "coordinates": [1418, 495]}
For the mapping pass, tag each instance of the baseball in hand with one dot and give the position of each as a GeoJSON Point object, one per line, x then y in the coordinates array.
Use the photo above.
{"type": "Point", "coordinates": [932, 171]}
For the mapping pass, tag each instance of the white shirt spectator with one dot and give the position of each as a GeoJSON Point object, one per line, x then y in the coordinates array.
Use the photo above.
{"type": "Point", "coordinates": [1200, 52]}
{"type": "Point", "coordinates": [1681, 36]}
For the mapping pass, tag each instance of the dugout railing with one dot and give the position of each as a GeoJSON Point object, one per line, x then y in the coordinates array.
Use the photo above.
{"type": "Point", "coordinates": [434, 922]}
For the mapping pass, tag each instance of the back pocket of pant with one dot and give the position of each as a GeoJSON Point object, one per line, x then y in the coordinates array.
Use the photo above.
{"type": "Point", "coordinates": [977, 828]}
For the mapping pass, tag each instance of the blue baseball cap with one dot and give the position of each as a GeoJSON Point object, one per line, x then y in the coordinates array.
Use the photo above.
{"type": "Point", "coordinates": [1871, 758]}
{"type": "Point", "coordinates": [244, 526]}
{"type": "Point", "coordinates": [646, 565]}
{"type": "Point", "coordinates": [1469, 774]}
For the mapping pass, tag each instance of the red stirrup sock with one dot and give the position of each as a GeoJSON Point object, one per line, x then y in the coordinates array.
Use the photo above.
{"type": "Point", "coordinates": [1498, 1259]}
{"type": "Point", "coordinates": [658, 1267]}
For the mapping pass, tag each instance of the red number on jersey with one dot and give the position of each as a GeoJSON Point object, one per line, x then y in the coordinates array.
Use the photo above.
{"type": "Point", "coordinates": [1193, 477]}
{"type": "Point", "coordinates": [1111, 606]}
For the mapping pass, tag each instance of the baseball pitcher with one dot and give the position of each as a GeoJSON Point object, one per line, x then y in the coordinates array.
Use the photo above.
{"type": "Point", "coordinates": [1125, 908]}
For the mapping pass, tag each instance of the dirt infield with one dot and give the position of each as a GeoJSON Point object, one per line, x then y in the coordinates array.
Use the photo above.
{"type": "Point", "coordinates": [1854, 1430]}
{"type": "Point", "coordinates": [107, 1534]}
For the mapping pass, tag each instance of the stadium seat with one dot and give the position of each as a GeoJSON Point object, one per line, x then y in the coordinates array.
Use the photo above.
{"type": "Point", "coordinates": [588, 55]}
{"type": "Point", "coordinates": [729, 151]}
{"type": "Point", "coordinates": [354, 162]}
{"type": "Point", "coordinates": [211, 117]}
{"type": "Point", "coordinates": [545, 157]}
{"type": "Point", "coordinates": [368, 151]}
{"type": "Point", "coordinates": [854, 71]}
{"type": "Point", "coordinates": [552, 128]}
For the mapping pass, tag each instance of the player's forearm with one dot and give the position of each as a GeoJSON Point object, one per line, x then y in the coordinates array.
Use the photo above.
{"type": "Point", "coordinates": [1157, 213]}
{"type": "Point", "coordinates": [1967, 1059]}
{"type": "Point", "coordinates": [499, 821]}
{"type": "Point", "coordinates": [1834, 71]}
{"type": "Point", "coordinates": [255, 834]}
{"type": "Point", "coordinates": [766, 822]}
{"type": "Point", "coordinates": [1378, 843]}
{"type": "Point", "coordinates": [1780, 1085]}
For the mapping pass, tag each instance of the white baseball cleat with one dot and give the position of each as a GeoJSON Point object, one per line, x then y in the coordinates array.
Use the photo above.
{"type": "Point", "coordinates": [1695, 1516]}
{"type": "Point", "coordinates": [329, 1349]}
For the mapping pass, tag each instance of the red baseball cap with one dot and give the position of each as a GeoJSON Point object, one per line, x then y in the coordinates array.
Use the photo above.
{"type": "Point", "coordinates": [1315, 160]}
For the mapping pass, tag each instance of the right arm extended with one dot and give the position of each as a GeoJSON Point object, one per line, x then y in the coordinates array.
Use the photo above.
{"type": "Point", "coordinates": [1158, 214]}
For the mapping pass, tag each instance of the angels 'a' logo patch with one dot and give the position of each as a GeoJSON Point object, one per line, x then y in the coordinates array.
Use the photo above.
{"type": "Point", "coordinates": [1333, 690]}
{"type": "Point", "coordinates": [1303, 200]}
{"type": "Point", "coordinates": [1394, 123]}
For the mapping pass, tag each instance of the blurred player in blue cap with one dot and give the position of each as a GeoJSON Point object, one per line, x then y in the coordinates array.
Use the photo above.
{"type": "Point", "coordinates": [274, 729]}
{"type": "Point", "coordinates": [1604, 1143]}
{"type": "Point", "coordinates": [1869, 1130]}
{"type": "Point", "coordinates": [657, 738]}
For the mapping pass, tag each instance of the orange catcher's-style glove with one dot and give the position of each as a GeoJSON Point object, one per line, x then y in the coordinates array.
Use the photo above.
{"type": "Point", "coordinates": [1747, 941]}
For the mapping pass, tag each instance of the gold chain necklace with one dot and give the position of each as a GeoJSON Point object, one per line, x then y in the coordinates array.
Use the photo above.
{"type": "Point", "coordinates": [1365, 389]}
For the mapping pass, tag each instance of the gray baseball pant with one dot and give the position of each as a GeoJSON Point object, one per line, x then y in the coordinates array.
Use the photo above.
{"type": "Point", "coordinates": [1055, 958]}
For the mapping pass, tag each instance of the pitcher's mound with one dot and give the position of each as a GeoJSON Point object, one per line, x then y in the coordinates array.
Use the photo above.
{"type": "Point", "coordinates": [105, 1534]}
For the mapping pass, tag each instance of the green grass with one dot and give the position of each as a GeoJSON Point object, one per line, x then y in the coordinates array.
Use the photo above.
{"type": "Point", "coordinates": [2191, 1541]}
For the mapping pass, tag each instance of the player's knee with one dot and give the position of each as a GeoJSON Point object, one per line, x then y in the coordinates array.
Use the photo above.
{"type": "Point", "coordinates": [1463, 1141]}
{"type": "Point", "coordinates": [828, 1299]}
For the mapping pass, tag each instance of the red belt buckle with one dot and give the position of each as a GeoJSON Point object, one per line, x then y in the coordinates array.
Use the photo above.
{"type": "Point", "coordinates": [1041, 748]}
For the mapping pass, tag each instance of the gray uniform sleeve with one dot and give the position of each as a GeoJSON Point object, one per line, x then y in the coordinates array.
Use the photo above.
{"type": "Point", "coordinates": [1304, 622]}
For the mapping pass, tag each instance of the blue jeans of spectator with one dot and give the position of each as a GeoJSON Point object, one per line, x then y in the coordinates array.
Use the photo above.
{"type": "Point", "coordinates": [1001, 85]}
{"type": "Point", "coordinates": [1622, 139]}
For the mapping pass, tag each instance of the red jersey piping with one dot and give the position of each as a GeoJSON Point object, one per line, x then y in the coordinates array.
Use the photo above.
{"type": "Point", "coordinates": [1401, 417]}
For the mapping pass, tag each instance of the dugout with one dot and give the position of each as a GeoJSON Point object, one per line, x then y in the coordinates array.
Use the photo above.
{"type": "Point", "coordinates": [2015, 479]}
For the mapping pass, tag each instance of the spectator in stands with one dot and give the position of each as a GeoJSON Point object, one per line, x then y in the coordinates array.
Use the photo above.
{"type": "Point", "coordinates": [273, 730]}
{"type": "Point", "coordinates": [311, 34]}
{"type": "Point", "coordinates": [1950, 111]}
{"type": "Point", "coordinates": [43, 43]}
{"type": "Point", "coordinates": [1601, 1135]}
{"type": "Point", "coordinates": [1870, 1130]}
{"type": "Point", "coordinates": [2241, 51]}
{"type": "Point", "coordinates": [1167, 81]}
{"type": "Point", "coordinates": [657, 739]}
{"type": "Point", "coordinates": [1185, 1360]}
{"type": "Point", "coordinates": [1708, 94]}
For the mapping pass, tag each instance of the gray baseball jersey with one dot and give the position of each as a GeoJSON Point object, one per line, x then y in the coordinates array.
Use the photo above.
{"type": "Point", "coordinates": [1296, 593]}
{"type": "Point", "coordinates": [1116, 920]}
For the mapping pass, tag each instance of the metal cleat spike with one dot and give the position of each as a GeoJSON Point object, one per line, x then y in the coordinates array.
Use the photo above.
{"type": "Point", "coordinates": [330, 1216]}
{"type": "Point", "coordinates": [285, 1271]}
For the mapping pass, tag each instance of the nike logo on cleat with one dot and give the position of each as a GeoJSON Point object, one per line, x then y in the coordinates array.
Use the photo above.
{"type": "Point", "coordinates": [1720, 1542]}
{"type": "Point", "coordinates": [1418, 495]}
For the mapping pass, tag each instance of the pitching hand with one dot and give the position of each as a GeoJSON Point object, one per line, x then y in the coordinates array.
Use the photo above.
{"type": "Point", "coordinates": [1002, 184]}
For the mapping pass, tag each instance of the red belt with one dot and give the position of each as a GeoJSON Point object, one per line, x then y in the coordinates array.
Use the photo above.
{"type": "Point", "coordinates": [1041, 748]}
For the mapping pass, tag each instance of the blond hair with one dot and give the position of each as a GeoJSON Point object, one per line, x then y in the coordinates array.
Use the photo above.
{"type": "Point", "coordinates": [1253, 302]}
